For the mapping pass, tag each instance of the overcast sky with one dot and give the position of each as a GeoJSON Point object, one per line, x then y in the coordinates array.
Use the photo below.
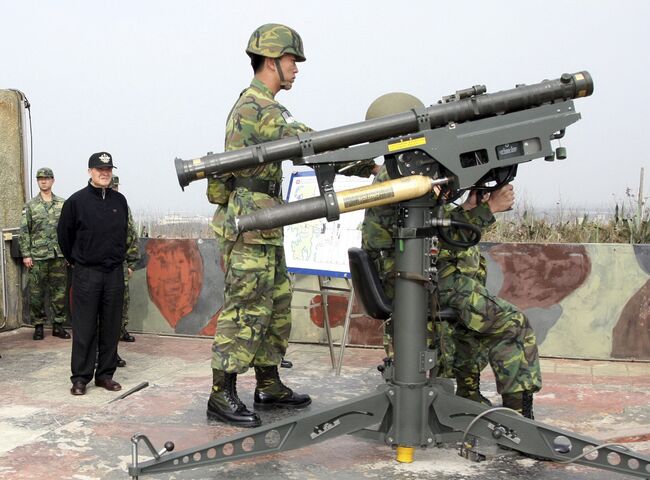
{"type": "Point", "coordinates": [152, 80]}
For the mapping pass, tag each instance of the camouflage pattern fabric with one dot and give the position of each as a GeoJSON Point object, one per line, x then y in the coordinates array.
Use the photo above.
{"type": "Point", "coordinates": [38, 228]}
{"type": "Point", "coordinates": [255, 118]}
{"type": "Point", "coordinates": [38, 241]}
{"type": "Point", "coordinates": [255, 322]}
{"type": "Point", "coordinates": [500, 326]}
{"type": "Point", "coordinates": [47, 276]}
{"type": "Point", "coordinates": [274, 40]}
{"type": "Point", "coordinates": [44, 172]}
{"type": "Point", "coordinates": [132, 257]}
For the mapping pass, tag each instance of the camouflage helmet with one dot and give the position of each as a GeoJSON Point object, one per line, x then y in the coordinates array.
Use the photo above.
{"type": "Point", "coordinates": [44, 172]}
{"type": "Point", "coordinates": [391, 104]}
{"type": "Point", "coordinates": [274, 40]}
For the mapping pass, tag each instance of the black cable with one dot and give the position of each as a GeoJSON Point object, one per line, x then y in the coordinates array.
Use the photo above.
{"type": "Point", "coordinates": [28, 106]}
{"type": "Point", "coordinates": [445, 230]}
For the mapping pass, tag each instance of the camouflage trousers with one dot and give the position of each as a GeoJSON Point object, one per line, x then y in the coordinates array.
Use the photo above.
{"type": "Point", "coordinates": [491, 324]}
{"type": "Point", "coordinates": [255, 322]}
{"type": "Point", "coordinates": [444, 337]}
{"type": "Point", "coordinates": [47, 276]}
{"type": "Point", "coordinates": [127, 298]}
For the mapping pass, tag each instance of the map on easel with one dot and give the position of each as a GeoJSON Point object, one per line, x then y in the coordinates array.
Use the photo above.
{"type": "Point", "coordinates": [319, 247]}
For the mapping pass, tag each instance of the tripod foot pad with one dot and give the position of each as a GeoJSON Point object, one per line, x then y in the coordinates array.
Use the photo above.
{"type": "Point", "coordinates": [405, 454]}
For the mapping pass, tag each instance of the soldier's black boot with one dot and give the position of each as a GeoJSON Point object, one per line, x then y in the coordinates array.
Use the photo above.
{"type": "Point", "coordinates": [521, 402]}
{"type": "Point", "coordinates": [120, 361]}
{"type": "Point", "coordinates": [271, 392]}
{"type": "Point", "coordinates": [470, 387]}
{"type": "Point", "coordinates": [59, 331]}
{"type": "Point", "coordinates": [286, 363]}
{"type": "Point", "coordinates": [125, 336]}
{"type": "Point", "coordinates": [38, 332]}
{"type": "Point", "coordinates": [224, 404]}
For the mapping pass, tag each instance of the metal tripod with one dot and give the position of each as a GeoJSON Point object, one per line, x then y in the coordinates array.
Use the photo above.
{"type": "Point", "coordinates": [412, 408]}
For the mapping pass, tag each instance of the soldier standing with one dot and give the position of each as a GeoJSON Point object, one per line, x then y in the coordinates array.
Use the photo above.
{"type": "Point", "coordinates": [43, 257]}
{"type": "Point", "coordinates": [254, 325]}
{"type": "Point", "coordinates": [132, 257]}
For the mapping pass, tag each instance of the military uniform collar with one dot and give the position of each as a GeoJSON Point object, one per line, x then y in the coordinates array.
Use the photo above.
{"type": "Point", "coordinates": [259, 85]}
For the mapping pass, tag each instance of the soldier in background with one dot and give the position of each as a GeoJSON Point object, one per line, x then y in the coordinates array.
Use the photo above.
{"type": "Point", "coordinates": [132, 257]}
{"type": "Point", "coordinates": [42, 256]}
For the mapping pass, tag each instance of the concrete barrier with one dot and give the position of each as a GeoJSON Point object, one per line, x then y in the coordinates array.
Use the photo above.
{"type": "Point", "coordinates": [584, 301]}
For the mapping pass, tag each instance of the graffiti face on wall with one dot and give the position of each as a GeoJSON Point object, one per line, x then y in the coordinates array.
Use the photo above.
{"type": "Point", "coordinates": [174, 277]}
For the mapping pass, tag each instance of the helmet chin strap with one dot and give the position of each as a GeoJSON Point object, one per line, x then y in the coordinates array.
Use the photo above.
{"type": "Point", "coordinates": [284, 85]}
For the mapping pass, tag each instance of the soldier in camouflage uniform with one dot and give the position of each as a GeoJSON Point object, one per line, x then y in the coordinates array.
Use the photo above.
{"type": "Point", "coordinates": [43, 257]}
{"type": "Point", "coordinates": [255, 322]}
{"type": "Point", "coordinates": [132, 257]}
{"type": "Point", "coordinates": [486, 323]}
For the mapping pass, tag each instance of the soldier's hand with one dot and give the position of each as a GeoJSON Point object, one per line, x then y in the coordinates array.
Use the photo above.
{"type": "Point", "coordinates": [502, 200]}
{"type": "Point", "coordinates": [474, 198]}
{"type": "Point", "coordinates": [130, 272]}
{"type": "Point", "coordinates": [27, 261]}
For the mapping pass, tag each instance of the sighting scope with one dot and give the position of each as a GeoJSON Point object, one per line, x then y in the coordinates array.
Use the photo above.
{"type": "Point", "coordinates": [300, 148]}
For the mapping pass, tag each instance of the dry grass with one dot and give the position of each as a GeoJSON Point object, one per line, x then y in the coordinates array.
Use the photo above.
{"type": "Point", "coordinates": [621, 226]}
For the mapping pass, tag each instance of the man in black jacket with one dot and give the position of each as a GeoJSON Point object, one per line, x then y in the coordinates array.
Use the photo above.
{"type": "Point", "coordinates": [92, 233]}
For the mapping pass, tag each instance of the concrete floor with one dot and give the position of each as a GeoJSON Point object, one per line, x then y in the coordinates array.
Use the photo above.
{"type": "Point", "coordinates": [46, 433]}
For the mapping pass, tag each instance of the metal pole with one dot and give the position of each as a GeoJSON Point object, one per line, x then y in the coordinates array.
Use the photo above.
{"type": "Point", "coordinates": [346, 329]}
{"type": "Point", "coordinates": [410, 319]}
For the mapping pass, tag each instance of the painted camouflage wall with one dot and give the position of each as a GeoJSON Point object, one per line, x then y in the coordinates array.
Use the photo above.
{"type": "Point", "coordinates": [587, 301]}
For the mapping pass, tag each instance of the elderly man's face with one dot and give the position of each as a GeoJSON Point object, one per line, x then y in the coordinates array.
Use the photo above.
{"type": "Point", "coordinates": [101, 177]}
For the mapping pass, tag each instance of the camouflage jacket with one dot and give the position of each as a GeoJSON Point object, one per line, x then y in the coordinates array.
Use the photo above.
{"type": "Point", "coordinates": [255, 118]}
{"type": "Point", "coordinates": [37, 238]}
{"type": "Point", "coordinates": [378, 230]}
{"type": "Point", "coordinates": [132, 244]}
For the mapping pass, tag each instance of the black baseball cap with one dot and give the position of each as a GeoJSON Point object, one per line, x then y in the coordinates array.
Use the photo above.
{"type": "Point", "coordinates": [101, 160]}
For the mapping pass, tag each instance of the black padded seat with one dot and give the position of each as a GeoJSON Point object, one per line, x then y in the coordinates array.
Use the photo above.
{"type": "Point", "coordinates": [367, 285]}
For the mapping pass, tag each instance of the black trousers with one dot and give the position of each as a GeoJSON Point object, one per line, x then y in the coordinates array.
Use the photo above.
{"type": "Point", "coordinates": [97, 299]}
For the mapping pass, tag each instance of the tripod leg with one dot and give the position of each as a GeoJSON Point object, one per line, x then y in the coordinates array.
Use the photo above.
{"type": "Point", "coordinates": [515, 432]}
{"type": "Point", "coordinates": [295, 432]}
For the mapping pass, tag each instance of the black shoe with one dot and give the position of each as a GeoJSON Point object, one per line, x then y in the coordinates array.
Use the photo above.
{"type": "Point", "coordinates": [286, 363]}
{"type": "Point", "coordinates": [121, 362]}
{"type": "Point", "coordinates": [224, 405]}
{"type": "Point", "coordinates": [126, 336]}
{"type": "Point", "coordinates": [78, 388]}
{"type": "Point", "coordinates": [38, 332]}
{"type": "Point", "coordinates": [59, 331]}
